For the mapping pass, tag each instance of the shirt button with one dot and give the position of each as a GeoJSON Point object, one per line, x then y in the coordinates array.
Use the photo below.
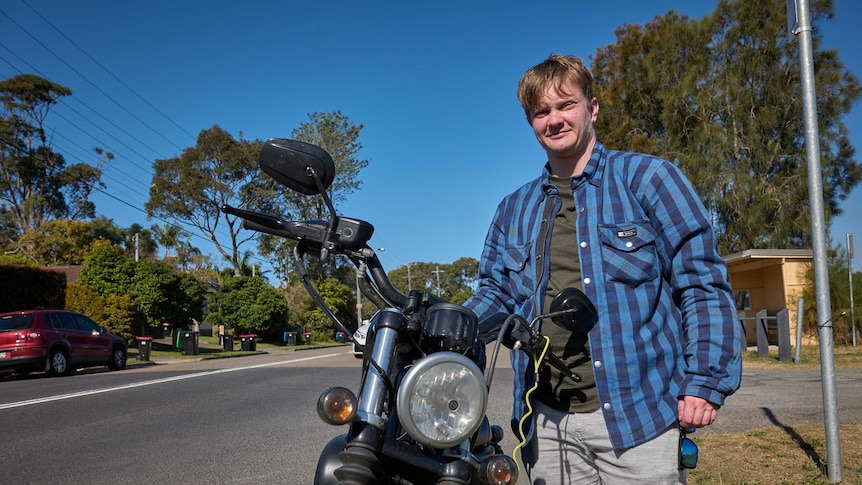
{"type": "Point", "coordinates": [598, 363]}
{"type": "Point", "coordinates": [582, 209]}
{"type": "Point", "coordinates": [607, 406]}
{"type": "Point", "coordinates": [587, 281]}
{"type": "Point", "coordinates": [629, 244]}
{"type": "Point", "coordinates": [583, 244]}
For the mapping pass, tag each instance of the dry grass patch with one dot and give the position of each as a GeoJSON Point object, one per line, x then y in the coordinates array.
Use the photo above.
{"type": "Point", "coordinates": [794, 454]}
{"type": "Point", "coordinates": [779, 455]}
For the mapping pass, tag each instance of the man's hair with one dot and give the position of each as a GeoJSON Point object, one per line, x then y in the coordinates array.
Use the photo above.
{"type": "Point", "coordinates": [556, 71]}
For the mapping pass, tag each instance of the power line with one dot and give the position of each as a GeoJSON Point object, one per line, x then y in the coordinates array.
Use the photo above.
{"type": "Point", "coordinates": [108, 71]}
{"type": "Point", "coordinates": [91, 83]}
{"type": "Point", "coordinates": [61, 101]}
{"type": "Point", "coordinates": [175, 224]}
{"type": "Point", "coordinates": [121, 200]}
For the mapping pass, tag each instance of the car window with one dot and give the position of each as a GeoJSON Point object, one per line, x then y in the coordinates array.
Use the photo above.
{"type": "Point", "coordinates": [65, 321]}
{"type": "Point", "coordinates": [52, 320]}
{"type": "Point", "coordinates": [85, 323]}
{"type": "Point", "coordinates": [16, 322]}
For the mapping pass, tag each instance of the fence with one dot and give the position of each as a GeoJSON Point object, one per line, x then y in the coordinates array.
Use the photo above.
{"type": "Point", "coordinates": [768, 330]}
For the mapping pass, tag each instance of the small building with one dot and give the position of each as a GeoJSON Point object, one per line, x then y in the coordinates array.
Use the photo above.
{"type": "Point", "coordinates": [768, 279]}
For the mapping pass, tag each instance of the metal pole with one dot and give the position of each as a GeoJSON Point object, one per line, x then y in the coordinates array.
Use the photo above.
{"type": "Point", "coordinates": [818, 232]}
{"type": "Point", "coordinates": [800, 308]}
{"type": "Point", "coordinates": [850, 276]}
{"type": "Point", "coordinates": [358, 301]}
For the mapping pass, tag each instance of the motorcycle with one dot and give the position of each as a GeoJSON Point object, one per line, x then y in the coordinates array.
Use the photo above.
{"type": "Point", "coordinates": [420, 417]}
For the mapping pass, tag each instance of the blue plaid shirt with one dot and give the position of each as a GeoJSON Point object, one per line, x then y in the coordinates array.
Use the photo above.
{"type": "Point", "coordinates": [649, 262]}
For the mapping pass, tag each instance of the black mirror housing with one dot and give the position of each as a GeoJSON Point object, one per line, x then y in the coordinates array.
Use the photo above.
{"type": "Point", "coordinates": [294, 164]}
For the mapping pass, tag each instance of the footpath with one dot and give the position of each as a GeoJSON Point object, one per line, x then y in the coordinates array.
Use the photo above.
{"type": "Point", "coordinates": [207, 350]}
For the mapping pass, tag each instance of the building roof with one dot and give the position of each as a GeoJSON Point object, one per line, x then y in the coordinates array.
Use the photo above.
{"type": "Point", "coordinates": [760, 254]}
{"type": "Point", "coordinates": [71, 272]}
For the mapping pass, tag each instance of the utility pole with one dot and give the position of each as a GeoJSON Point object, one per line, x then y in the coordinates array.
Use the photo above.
{"type": "Point", "coordinates": [799, 21]}
{"type": "Point", "coordinates": [437, 272]}
{"type": "Point", "coordinates": [409, 278]}
{"type": "Point", "coordinates": [137, 248]}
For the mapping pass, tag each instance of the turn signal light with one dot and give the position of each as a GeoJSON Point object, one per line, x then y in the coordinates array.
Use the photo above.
{"type": "Point", "coordinates": [337, 406]}
{"type": "Point", "coordinates": [499, 470]}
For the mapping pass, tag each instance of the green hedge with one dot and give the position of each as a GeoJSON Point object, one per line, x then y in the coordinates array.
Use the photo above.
{"type": "Point", "coordinates": [27, 287]}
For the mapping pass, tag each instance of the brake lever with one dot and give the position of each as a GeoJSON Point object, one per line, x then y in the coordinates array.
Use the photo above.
{"type": "Point", "coordinates": [527, 341]}
{"type": "Point", "coordinates": [552, 359]}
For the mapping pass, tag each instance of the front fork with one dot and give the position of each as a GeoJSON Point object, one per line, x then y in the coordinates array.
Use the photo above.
{"type": "Point", "coordinates": [359, 459]}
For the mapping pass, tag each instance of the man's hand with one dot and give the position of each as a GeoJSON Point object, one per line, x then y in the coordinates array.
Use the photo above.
{"type": "Point", "coordinates": [696, 412]}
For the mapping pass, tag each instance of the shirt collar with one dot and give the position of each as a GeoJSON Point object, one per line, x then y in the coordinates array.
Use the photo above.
{"type": "Point", "coordinates": [592, 172]}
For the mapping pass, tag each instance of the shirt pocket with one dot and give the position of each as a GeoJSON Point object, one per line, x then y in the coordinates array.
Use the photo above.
{"type": "Point", "coordinates": [517, 265]}
{"type": "Point", "coordinates": [629, 253]}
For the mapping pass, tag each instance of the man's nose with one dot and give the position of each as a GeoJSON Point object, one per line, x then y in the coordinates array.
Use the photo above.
{"type": "Point", "coordinates": [554, 118]}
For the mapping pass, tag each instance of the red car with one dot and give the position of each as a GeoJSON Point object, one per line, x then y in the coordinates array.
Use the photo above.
{"type": "Point", "coordinates": [56, 341]}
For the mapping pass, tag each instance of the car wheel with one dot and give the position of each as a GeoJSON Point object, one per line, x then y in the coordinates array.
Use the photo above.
{"type": "Point", "coordinates": [58, 363]}
{"type": "Point", "coordinates": [118, 358]}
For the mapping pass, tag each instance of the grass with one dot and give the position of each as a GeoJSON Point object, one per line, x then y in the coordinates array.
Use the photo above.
{"type": "Point", "coordinates": [781, 454]}
{"type": "Point", "coordinates": [778, 455]}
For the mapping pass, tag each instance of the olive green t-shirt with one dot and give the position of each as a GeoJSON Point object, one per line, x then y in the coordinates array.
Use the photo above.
{"type": "Point", "coordinates": [556, 390]}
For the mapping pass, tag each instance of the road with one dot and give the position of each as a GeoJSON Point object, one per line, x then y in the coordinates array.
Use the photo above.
{"type": "Point", "coordinates": [253, 420]}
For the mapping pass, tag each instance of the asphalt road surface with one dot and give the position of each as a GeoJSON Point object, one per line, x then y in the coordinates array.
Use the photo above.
{"type": "Point", "coordinates": [253, 420]}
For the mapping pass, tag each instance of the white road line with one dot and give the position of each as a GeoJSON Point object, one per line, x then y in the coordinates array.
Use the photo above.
{"type": "Point", "coordinates": [152, 382]}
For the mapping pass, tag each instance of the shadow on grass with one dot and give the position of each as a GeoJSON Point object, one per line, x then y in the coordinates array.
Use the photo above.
{"type": "Point", "coordinates": [803, 445]}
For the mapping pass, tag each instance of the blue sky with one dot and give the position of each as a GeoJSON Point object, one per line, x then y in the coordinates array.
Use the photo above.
{"type": "Point", "coordinates": [432, 82]}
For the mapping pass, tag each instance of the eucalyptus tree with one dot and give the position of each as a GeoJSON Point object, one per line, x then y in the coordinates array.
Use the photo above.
{"type": "Point", "coordinates": [192, 187]}
{"type": "Point", "coordinates": [36, 182]}
{"type": "Point", "coordinates": [721, 98]}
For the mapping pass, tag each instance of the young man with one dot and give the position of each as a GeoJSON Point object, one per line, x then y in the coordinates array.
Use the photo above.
{"type": "Point", "coordinates": [630, 232]}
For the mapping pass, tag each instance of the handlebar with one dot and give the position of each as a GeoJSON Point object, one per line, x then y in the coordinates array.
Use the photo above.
{"type": "Point", "coordinates": [349, 238]}
{"type": "Point", "coordinates": [346, 239]}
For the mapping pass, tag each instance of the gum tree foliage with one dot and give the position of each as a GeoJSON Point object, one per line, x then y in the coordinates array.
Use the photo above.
{"type": "Point", "coordinates": [248, 305]}
{"type": "Point", "coordinates": [192, 187]}
{"type": "Point", "coordinates": [456, 280]}
{"type": "Point", "coordinates": [721, 98]}
{"type": "Point", "coordinates": [36, 183]}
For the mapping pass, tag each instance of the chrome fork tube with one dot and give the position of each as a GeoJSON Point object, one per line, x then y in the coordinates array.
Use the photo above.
{"type": "Point", "coordinates": [374, 391]}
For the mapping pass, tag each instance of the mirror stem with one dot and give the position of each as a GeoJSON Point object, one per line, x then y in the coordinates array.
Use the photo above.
{"type": "Point", "coordinates": [324, 251]}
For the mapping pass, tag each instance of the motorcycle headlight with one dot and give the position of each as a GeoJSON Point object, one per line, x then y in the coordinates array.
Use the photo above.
{"type": "Point", "coordinates": [442, 399]}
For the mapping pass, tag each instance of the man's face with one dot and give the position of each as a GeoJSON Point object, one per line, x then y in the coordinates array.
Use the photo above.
{"type": "Point", "coordinates": [563, 122]}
